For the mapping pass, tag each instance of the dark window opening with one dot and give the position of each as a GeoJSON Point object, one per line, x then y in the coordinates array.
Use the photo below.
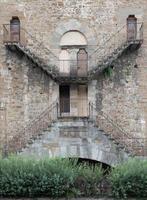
{"type": "Point", "coordinates": [64, 92]}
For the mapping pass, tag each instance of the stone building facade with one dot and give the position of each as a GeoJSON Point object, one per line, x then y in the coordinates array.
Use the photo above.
{"type": "Point", "coordinates": [58, 33]}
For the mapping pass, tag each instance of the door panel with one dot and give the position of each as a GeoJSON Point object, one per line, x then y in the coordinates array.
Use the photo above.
{"type": "Point", "coordinates": [73, 62]}
{"type": "Point", "coordinates": [15, 30]}
{"type": "Point", "coordinates": [131, 28]}
{"type": "Point", "coordinates": [82, 58]}
{"type": "Point", "coordinates": [64, 62]}
{"type": "Point", "coordinates": [82, 101]}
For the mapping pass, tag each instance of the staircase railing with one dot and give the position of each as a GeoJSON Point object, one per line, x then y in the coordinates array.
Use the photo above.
{"type": "Point", "coordinates": [32, 45]}
{"type": "Point", "coordinates": [25, 38]}
{"type": "Point", "coordinates": [33, 129]}
{"type": "Point", "coordinates": [136, 146]}
{"type": "Point", "coordinates": [113, 46]}
{"type": "Point", "coordinates": [39, 44]}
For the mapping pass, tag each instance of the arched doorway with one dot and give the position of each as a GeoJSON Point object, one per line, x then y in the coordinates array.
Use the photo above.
{"type": "Point", "coordinates": [15, 29]}
{"type": "Point", "coordinates": [131, 27]}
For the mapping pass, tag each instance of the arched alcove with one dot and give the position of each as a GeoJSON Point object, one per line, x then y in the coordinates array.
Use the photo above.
{"type": "Point", "coordinates": [73, 38]}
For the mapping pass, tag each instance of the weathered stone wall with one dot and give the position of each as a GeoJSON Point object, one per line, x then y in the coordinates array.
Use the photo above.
{"type": "Point", "coordinates": [27, 90]}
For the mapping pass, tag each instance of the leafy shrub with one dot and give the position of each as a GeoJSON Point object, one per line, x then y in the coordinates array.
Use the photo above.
{"type": "Point", "coordinates": [130, 179]}
{"type": "Point", "coordinates": [27, 177]}
{"type": "Point", "coordinates": [88, 180]}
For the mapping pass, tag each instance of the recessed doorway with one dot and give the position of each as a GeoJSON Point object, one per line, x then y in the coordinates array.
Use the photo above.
{"type": "Point", "coordinates": [64, 93]}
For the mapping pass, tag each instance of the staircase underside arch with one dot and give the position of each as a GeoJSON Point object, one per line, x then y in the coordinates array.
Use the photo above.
{"type": "Point", "coordinates": [80, 139]}
{"type": "Point", "coordinates": [98, 155]}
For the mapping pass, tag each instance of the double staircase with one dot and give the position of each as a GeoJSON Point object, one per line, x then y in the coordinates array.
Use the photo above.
{"type": "Point", "coordinates": [50, 132]}
{"type": "Point", "coordinates": [52, 135]}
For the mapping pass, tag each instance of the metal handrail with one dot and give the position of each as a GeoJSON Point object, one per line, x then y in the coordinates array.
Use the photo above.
{"type": "Point", "coordinates": [113, 35]}
{"type": "Point", "coordinates": [111, 121]}
{"type": "Point", "coordinates": [141, 31]}
{"type": "Point", "coordinates": [4, 26]}
{"type": "Point", "coordinates": [99, 55]}
{"type": "Point", "coordinates": [112, 48]}
{"type": "Point", "coordinates": [39, 43]}
{"type": "Point", "coordinates": [125, 135]}
{"type": "Point", "coordinates": [32, 129]}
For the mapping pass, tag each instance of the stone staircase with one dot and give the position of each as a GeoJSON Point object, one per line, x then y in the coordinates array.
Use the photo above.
{"type": "Point", "coordinates": [24, 135]}
{"type": "Point", "coordinates": [133, 145]}
{"type": "Point", "coordinates": [112, 49]}
{"type": "Point", "coordinates": [35, 50]}
{"type": "Point", "coordinates": [96, 137]}
{"type": "Point", "coordinates": [108, 60]}
{"type": "Point", "coordinates": [48, 65]}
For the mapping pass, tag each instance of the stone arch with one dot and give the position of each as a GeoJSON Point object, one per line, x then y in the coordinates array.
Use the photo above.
{"type": "Point", "coordinates": [99, 155]}
{"type": "Point", "coordinates": [71, 25]}
{"type": "Point", "coordinates": [73, 38]}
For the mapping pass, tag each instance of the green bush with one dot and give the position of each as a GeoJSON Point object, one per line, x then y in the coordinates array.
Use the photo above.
{"type": "Point", "coordinates": [129, 179]}
{"type": "Point", "coordinates": [88, 180]}
{"type": "Point", "coordinates": [27, 177]}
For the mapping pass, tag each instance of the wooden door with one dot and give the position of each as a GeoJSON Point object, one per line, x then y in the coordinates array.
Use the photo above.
{"type": "Point", "coordinates": [82, 101]}
{"type": "Point", "coordinates": [82, 62]}
{"type": "Point", "coordinates": [15, 29]}
{"type": "Point", "coordinates": [131, 27]}
{"type": "Point", "coordinates": [64, 99]}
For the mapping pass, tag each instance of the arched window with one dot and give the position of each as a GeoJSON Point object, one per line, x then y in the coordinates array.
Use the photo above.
{"type": "Point", "coordinates": [131, 27]}
{"type": "Point", "coordinates": [15, 29]}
